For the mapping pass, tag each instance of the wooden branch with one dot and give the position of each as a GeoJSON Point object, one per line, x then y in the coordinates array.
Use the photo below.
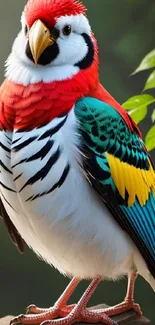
{"type": "Point", "coordinates": [127, 318]}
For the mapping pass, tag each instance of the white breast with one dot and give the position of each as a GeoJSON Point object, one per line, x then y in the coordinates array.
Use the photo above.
{"type": "Point", "coordinates": [53, 206]}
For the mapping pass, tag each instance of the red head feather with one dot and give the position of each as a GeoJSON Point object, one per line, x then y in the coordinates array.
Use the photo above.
{"type": "Point", "coordinates": [19, 104]}
{"type": "Point", "coordinates": [49, 10]}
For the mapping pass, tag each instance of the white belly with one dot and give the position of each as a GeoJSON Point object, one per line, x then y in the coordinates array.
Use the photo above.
{"type": "Point", "coordinates": [56, 211]}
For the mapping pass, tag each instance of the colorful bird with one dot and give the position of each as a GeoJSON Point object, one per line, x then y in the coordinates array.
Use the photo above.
{"type": "Point", "coordinates": [77, 183]}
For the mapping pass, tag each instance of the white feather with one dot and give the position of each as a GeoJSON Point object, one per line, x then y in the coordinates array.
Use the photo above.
{"type": "Point", "coordinates": [69, 228]}
{"type": "Point", "coordinates": [73, 49]}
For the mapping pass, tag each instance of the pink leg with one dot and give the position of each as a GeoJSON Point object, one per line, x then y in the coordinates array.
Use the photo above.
{"type": "Point", "coordinates": [78, 314]}
{"type": "Point", "coordinates": [128, 302]}
{"type": "Point", "coordinates": [60, 309]}
{"type": "Point", "coordinates": [60, 305]}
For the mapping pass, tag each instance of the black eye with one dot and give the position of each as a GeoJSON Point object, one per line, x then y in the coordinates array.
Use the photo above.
{"type": "Point", "coordinates": [26, 29]}
{"type": "Point", "coordinates": [67, 30]}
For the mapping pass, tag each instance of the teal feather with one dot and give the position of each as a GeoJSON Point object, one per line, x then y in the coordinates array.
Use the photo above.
{"type": "Point", "coordinates": [103, 131]}
{"type": "Point", "coordinates": [143, 219]}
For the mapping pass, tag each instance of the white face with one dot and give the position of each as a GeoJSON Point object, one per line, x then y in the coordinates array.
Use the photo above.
{"type": "Point", "coordinates": [73, 49]}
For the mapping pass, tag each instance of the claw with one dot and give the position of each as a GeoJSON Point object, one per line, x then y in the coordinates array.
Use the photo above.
{"type": "Point", "coordinates": [30, 309]}
{"type": "Point", "coordinates": [17, 320]}
{"type": "Point", "coordinates": [33, 309]}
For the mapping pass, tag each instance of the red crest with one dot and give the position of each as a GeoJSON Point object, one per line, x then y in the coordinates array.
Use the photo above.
{"type": "Point", "coordinates": [49, 10]}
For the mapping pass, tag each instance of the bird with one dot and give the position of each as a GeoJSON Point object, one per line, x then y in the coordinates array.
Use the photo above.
{"type": "Point", "coordinates": [77, 182]}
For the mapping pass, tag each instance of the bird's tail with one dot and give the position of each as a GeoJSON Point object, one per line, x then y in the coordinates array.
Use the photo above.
{"type": "Point", "coordinates": [143, 269]}
{"type": "Point", "coordinates": [149, 278]}
{"type": "Point", "coordinates": [152, 282]}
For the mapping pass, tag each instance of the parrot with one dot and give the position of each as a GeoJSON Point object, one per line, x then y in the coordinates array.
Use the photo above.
{"type": "Point", "coordinates": [77, 182]}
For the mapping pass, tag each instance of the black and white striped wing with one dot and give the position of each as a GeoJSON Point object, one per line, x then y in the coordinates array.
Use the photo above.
{"type": "Point", "coordinates": [5, 153]}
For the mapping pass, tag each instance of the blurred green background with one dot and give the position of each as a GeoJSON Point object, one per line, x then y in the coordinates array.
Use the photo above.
{"type": "Point", "coordinates": [125, 33]}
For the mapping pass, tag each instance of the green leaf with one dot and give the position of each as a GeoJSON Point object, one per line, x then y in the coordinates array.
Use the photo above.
{"type": "Point", "coordinates": [147, 63]}
{"type": "Point", "coordinates": [150, 139]}
{"type": "Point", "coordinates": [138, 114]}
{"type": "Point", "coordinates": [153, 116]}
{"type": "Point", "coordinates": [150, 83]}
{"type": "Point", "coordinates": [138, 102]}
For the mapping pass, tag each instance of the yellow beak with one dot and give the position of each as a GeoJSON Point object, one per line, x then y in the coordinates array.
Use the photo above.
{"type": "Point", "coordinates": [39, 39]}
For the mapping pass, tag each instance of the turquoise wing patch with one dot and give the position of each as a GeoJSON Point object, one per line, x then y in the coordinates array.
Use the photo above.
{"type": "Point", "coordinates": [118, 167]}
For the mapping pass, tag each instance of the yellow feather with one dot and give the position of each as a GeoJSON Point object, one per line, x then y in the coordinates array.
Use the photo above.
{"type": "Point", "coordinates": [138, 183]}
{"type": "Point", "coordinates": [141, 188]}
{"type": "Point", "coordinates": [132, 186]}
{"type": "Point", "coordinates": [117, 175]}
{"type": "Point", "coordinates": [144, 176]}
{"type": "Point", "coordinates": [121, 182]}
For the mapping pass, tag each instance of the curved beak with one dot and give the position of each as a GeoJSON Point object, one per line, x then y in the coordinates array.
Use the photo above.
{"type": "Point", "coordinates": [39, 39]}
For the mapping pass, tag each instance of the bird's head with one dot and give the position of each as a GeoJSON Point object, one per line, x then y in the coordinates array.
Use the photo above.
{"type": "Point", "coordinates": [55, 43]}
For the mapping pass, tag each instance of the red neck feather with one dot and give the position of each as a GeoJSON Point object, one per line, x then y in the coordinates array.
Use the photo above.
{"type": "Point", "coordinates": [27, 107]}
{"type": "Point", "coordinates": [37, 104]}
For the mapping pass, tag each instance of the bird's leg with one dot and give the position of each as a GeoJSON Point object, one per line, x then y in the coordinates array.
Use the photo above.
{"type": "Point", "coordinates": [78, 314]}
{"type": "Point", "coordinates": [60, 309]}
{"type": "Point", "coordinates": [128, 301]}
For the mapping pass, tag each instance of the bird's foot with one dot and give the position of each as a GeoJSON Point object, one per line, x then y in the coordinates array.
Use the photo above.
{"type": "Point", "coordinates": [75, 316]}
{"type": "Point", "coordinates": [35, 315]}
{"type": "Point", "coordinates": [127, 305]}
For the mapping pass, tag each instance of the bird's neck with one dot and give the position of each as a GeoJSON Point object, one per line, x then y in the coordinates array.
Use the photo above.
{"type": "Point", "coordinates": [28, 107]}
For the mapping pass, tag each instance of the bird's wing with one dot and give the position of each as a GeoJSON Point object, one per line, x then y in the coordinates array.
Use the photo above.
{"type": "Point", "coordinates": [117, 165]}
{"type": "Point", "coordinates": [15, 236]}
